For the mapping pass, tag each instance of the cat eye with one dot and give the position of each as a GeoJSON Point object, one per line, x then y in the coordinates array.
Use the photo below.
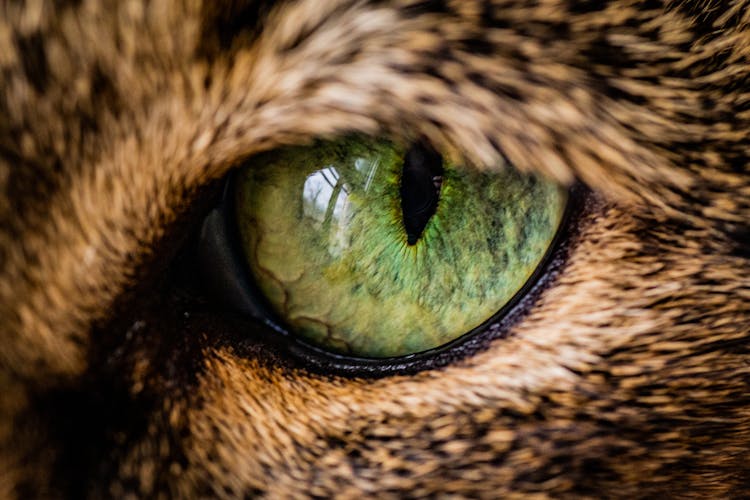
{"type": "Point", "coordinates": [366, 249]}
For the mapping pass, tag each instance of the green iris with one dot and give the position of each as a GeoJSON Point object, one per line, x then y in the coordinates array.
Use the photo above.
{"type": "Point", "coordinates": [322, 228]}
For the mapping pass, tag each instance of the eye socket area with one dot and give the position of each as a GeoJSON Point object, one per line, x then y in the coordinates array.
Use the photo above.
{"type": "Point", "coordinates": [223, 251]}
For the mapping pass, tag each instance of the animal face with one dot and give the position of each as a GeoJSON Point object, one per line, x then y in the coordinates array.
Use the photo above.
{"type": "Point", "coordinates": [624, 372]}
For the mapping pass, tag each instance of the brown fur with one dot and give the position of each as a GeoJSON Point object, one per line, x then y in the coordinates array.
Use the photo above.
{"type": "Point", "coordinates": [629, 377]}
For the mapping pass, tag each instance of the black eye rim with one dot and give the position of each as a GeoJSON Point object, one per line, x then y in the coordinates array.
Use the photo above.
{"type": "Point", "coordinates": [220, 245]}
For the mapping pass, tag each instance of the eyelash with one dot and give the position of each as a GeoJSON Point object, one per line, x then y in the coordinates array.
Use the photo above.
{"type": "Point", "coordinates": [217, 243]}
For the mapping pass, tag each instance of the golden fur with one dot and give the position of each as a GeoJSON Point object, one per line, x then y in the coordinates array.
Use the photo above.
{"type": "Point", "coordinates": [630, 376]}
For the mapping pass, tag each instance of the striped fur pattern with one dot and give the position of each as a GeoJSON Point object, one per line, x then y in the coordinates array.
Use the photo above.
{"type": "Point", "coordinates": [629, 376]}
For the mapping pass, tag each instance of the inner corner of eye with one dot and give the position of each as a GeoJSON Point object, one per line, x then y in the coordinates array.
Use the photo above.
{"type": "Point", "coordinates": [366, 248]}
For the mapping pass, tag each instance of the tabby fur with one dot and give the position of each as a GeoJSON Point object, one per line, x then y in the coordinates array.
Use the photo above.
{"type": "Point", "coordinates": [630, 375]}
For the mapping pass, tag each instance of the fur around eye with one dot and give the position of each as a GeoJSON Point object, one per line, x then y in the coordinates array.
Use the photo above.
{"type": "Point", "coordinates": [619, 369]}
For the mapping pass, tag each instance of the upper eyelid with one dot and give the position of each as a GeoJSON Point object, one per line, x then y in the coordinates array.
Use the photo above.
{"type": "Point", "coordinates": [565, 133]}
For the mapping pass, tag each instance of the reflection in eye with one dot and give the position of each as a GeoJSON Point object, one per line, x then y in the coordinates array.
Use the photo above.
{"type": "Point", "coordinates": [325, 201]}
{"type": "Point", "coordinates": [369, 249]}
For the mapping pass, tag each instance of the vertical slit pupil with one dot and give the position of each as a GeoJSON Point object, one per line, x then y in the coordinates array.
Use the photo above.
{"type": "Point", "coordinates": [421, 179]}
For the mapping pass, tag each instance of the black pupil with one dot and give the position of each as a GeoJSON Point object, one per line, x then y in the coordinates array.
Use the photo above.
{"type": "Point", "coordinates": [420, 189]}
